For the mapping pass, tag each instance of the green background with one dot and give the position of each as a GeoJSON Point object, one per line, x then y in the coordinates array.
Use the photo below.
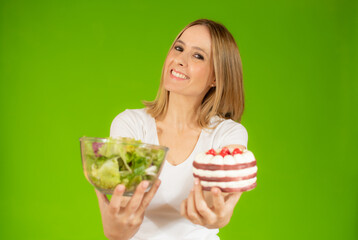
{"type": "Point", "coordinates": [67, 68]}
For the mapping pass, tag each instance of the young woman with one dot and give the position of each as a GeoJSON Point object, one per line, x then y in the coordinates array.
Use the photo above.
{"type": "Point", "coordinates": [198, 106]}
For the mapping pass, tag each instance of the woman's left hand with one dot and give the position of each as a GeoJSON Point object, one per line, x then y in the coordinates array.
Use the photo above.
{"type": "Point", "coordinates": [196, 209]}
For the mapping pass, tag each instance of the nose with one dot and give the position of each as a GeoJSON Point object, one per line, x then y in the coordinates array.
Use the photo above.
{"type": "Point", "coordinates": [181, 60]}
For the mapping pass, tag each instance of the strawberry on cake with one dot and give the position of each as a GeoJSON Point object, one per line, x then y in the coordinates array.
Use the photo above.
{"type": "Point", "coordinates": [231, 171]}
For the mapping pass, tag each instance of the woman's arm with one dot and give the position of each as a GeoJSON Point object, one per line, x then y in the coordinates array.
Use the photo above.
{"type": "Point", "coordinates": [211, 209]}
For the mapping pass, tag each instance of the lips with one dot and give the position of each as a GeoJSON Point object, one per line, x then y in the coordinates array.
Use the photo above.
{"type": "Point", "coordinates": [178, 75]}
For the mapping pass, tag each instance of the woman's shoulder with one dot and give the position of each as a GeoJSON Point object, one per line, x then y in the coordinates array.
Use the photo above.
{"type": "Point", "coordinates": [219, 123]}
{"type": "Point", "coordinates": [130, 123]}
{"type": "Point", "coordinates": [133, 115]}
{"type": "Point", "coordinates": [130, 113]}
{"type": "Point", "coordinates": [228, 132]}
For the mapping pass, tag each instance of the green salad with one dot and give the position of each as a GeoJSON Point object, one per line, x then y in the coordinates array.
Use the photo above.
{"type": "Point", "coordinates": [126, 161]}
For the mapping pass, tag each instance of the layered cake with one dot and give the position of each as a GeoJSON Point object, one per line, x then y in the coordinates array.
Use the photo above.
{"type": "Point", "coordinates": [231, 170]}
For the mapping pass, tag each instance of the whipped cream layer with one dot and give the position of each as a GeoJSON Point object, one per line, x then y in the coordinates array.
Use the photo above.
{"type": "Point", "coordinates": [245, 157]}
{"type": "Point", "coordinates": [232, 184]}
{"type": "Point", "coordinates": [225, 173]}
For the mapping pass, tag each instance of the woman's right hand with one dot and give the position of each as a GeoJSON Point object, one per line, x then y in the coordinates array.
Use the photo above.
{"type": "Point", "coordinates": [123, 222]}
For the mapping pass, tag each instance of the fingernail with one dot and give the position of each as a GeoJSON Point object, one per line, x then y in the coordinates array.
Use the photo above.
{"type": "Point", "coordinates": [120, 188]}
{"type": "Point", "coordinates": [145, 184]}
{"type": "Point", "coordinates": [196, 181]}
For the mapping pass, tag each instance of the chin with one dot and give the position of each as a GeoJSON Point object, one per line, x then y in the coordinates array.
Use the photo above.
{"type": "Point", "coordinates": [172, 86]}
{"type": "Point", "coordinates": [181, 88]}
{"type": "Point", "coordinates": [173, 89]}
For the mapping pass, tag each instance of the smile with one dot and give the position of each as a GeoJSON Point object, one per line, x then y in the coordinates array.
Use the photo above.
{"type": "Point", "coordinates": [178, 74]}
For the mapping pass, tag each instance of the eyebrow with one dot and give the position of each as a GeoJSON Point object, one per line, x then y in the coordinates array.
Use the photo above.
{"type": "Point", "coordinates": [198, 48]}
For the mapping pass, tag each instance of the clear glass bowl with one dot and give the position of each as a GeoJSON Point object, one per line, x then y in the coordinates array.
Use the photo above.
{"type": "Point", "coordinates": [108, 162]}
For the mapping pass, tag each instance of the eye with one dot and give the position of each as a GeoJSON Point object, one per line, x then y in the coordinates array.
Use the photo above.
{"type": "Point", "coordinates": [199, 56]}
{"type": "Point", "coordinates": [178, 48]}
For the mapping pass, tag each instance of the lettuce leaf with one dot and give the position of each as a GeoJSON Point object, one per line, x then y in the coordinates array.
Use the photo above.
{"type": "Point", "coordinates": [121, 162]}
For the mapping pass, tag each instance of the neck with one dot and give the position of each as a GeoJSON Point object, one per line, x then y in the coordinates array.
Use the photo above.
{"type": "Point", "coordinates": [182, 112]}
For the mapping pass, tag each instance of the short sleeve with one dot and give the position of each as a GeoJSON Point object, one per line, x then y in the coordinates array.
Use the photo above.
{"type": "Point", "coordinates": [232, 133]}
{"type": "Point", "coordinates": [125, 124]}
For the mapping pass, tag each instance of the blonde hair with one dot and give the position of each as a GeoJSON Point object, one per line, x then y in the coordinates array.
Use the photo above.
{"type": "Point", "coordinates": [226, 100]}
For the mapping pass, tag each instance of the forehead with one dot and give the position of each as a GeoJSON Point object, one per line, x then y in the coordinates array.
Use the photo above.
{"type": "Point", "coordinates": [197, 36]}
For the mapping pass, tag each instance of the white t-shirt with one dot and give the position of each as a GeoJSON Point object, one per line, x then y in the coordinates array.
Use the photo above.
{"type": "Point", "coordinates": [162, 220]}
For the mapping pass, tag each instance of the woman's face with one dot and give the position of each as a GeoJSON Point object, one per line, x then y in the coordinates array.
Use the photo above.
{"type": "Point", "coordinates": [188, 68]}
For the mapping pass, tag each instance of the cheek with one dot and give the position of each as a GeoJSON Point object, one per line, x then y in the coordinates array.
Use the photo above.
{"type": "Point", "coordinates": [202, 73]}
{"type": "Point", "coordinates": [168, 60]}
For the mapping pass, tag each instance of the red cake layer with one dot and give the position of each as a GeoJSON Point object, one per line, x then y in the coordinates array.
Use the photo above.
{"type": "Point", "coordinates": [224, 179]}
{"type": "Point", "coordinates": [238, 166]}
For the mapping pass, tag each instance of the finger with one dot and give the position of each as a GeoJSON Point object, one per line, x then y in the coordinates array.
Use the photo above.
{"type": "Point", "coordinates": [200, 202]}
{"type": "Point", "coordinates": [192, 213]}
{"type": "Point", "coordinates": [148, 197]}
{"type": "Point", "coordinates": [218, 199]}
{"type": "Point", "coordinates": [136, 199]}
{"type": "Point", "coordinates": [102, 200]}
{"type": "Point", "coordinates": [183, 208]}
{"type": "Point", "coordinates": [115, 203]}
{"type": "Point", "coordinates": [232, 199]}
